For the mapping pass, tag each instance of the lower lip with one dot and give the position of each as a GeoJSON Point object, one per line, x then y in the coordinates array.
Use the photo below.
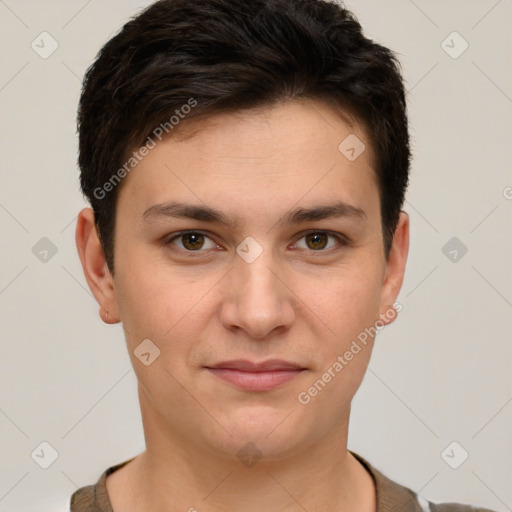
{"type": "Point", "coordinates": [255, 381]}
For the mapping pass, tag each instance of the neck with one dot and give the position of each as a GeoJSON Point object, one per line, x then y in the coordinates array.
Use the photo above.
{"type": "Point", "coordinates": [174, 474]}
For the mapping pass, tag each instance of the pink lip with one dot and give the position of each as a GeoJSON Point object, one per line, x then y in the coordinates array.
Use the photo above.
{"type": "Point", "coordinates": [251, 376]}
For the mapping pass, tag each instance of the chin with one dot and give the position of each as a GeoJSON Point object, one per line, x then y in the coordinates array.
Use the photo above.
{"type": "Point", "coordinates": [261, 432]}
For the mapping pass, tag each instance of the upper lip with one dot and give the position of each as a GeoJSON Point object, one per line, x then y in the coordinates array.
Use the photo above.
{"type": "Point", "coordinates": [265, 366]}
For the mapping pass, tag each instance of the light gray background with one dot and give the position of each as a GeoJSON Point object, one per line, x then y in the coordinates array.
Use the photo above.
{"type": "Point", "coordinates": [441, 373]}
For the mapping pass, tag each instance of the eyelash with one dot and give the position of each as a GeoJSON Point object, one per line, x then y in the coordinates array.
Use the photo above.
{"type": "Point", "coordinates": [342, 241]}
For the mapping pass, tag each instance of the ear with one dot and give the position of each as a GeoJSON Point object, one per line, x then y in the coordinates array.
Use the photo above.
{"type": "Point", "coordinates": [95, 266]}
{"type": "Point", "coordinates": [395, 269]}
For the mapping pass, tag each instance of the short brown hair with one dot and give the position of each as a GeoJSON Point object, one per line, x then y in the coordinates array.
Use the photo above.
{"type": "Point", "coordinates": [230, 55]}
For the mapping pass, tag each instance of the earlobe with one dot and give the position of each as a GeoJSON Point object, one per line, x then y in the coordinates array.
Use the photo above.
{"type": "Point", "coordinates": [95, 267]}
{"type": "Point", "coordinates": [395, 270]}
{"type": "Point", "coordinates": [106, 316]}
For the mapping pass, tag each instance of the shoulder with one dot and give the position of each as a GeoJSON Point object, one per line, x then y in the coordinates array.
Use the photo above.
{"type": "Point", "coordinates": [83, 499]}
{"type": "Point", "coordinates": [94, 498]}
{"type": "Point", "coordinates": [391, 496]}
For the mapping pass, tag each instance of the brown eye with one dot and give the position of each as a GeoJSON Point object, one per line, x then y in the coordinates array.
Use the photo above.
{"type": "Point", "coordinates": [192, 241]}
{"type": "Point", "coordinates": [316, 240]}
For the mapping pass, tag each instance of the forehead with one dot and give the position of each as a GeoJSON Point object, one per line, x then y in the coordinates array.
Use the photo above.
{"type": "Point", "coordinates": [303, 120]}
{"type": "Point", "coordinates": [291, 151]}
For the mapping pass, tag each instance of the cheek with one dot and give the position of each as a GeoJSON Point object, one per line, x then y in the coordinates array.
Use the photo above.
{"type": "Point", "coordinates": [167, 311]}
{"type": "Point", "coordinates": [348, 310]}
{"type": "Point", "coordinates": [167, 308]}
{"type": "Point", "coordinates": [154, 299]}
{"type": "Point", "coordinates": [346, 303]}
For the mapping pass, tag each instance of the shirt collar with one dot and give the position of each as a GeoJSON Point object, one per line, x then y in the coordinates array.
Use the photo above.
{"type": "Point", "coordinates": [391, 497]}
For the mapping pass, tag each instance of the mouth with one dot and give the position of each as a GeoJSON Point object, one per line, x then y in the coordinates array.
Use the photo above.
{"type": "Point", "coordinates": [252, 376]}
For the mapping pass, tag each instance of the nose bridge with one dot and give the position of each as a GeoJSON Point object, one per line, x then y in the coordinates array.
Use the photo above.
{"type": "Point", "coordinates": [260, 302]}
{"type": "Point", "coordinates": [258, 279]}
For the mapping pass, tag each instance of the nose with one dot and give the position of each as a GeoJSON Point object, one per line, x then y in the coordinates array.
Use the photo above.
{"type": "Point", "coordinates": [257, 299]}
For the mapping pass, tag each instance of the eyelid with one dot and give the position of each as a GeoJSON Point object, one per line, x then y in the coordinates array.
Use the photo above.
{"type": "Point", "coordinates": [179, 234]}
{"type": "Point", "coordinates": [340, 237]}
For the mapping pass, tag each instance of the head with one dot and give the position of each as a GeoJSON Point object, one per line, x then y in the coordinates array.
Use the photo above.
{"type": "Point", "coordinates": [275, 135]}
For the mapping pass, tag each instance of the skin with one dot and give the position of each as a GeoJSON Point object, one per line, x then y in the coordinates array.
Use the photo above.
{"type": "Point", "coordinates": [302, 300]}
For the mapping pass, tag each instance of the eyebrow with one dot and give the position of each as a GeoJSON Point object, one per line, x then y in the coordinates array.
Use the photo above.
{"type": "Point", "coordinates": [299, 215]}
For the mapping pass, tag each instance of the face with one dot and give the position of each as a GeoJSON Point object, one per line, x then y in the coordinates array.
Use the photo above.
{"type": "Point", "coordinates": [251, 255]}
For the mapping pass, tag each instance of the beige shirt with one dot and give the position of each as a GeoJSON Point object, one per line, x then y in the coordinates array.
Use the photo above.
{"type": "Point", "coordinates": [391, 497]}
